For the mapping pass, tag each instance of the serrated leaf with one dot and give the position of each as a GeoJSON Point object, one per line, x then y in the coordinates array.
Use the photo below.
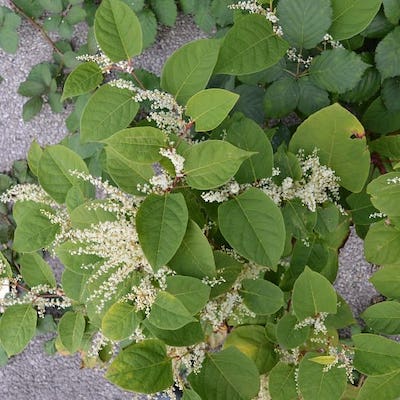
{"type": "Point", "coordinates": [31, 108]}
{"type": "Point", "coordinates": [194, 257]}
{"type": "Point", "coordinates": [227, 374]}
{"type": "Point", "coordinates": [148, 23]}
{"type": "Point", "coordinates": [392, 10]}
{"type": "Point", "coordinates": [161, 224]}
{"type": "Point", "coordinates": [391, 94]}
{"type": "Point", "coordinates": [336, 148]}
{"type": "Point", "coordinates": [212, 163]}
{"type": "Point", "coordinates": [9, 21]}
{"type": "Point", "coordinates": [352, 17]}
{"type": "Point", "coordinates": [281, 97]}
{"type": "Point", "coordinates": [166, 11]}
{"type": "Point", "coordinates": [250, 46]}
{"type": "Point", "coordinates": [35, 271]}
{"type": "Point", "coordinates": [337, 70]}
{"type": "Point", "coordinates": [189, 69]}
{"type": "Point", "coordinates": [142, 367]}
{"type": "Point", "coordinates": [312, 294]}
{"type": "Point", "coordinates": [253, 225]}
{"type": "Point", "coordinates": [209, 107]}
{"type": "Point", "coordinates": [377, 118]}
{"type": "Point", "coordinates": [311, 97]}
{"type": "Point", "coordinates": [70, 330]}
{"type": "Point", "coordinates": [108, 111]}
{"type": "Point", "coordinates": [387, 55]}
{"type": "Point", "coordinates": [117, 30]}
{"type": "Point", "coordinates": [383, 317]}
{"type": "Point", "coordinates": [82, 79]}
{"type": "Point", "coordinates": [304, 23]}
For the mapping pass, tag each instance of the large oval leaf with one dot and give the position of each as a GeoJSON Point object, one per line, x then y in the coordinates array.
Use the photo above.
{"type": "Point", "coordinates": [212, 163]}
{"type": "Point", "coordinates": [253, 225]}
{"type": "Point", "coordinates": [17, 328]}
{"type": "Point", "coordinates": [381, 387]}
{"type": "Point", "coordinates": [70, 330]}
{"type": "Point", "coordinates": [142, 367]}
{"type": "Point", "coordinates": [250, 46]}
{"type": "Point", "coordinates": [352, 16]}
{"type": "Point", "coordinates": [228, 374]}
{"type": "Point", "coordinates": [387, 54]}
{"type": "Point", "coordinates": [161, 225]}
{"type": "Point", "coordinates": [117, 30]}
{"type": "Point", "coordinates": [109, 110]}
{"type": "Point", "coordinates": [189, 69]}
{"type": "Point", "coordinates": [54, 172]}
{"type": "Point", "coordinates": [304, 22]}
{"type": "Point", "coordinates": [383, 317]}
{"type": "Point", "coordinates": [35, 271]}
{"type": "Point", "coordinates": [209, 107]}
{"type": "Point", "coordinates": [330, 130]}
{"type": "Point", "coordinates": [387, 281]}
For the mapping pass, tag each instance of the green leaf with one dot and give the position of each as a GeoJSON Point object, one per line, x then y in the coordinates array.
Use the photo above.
{"type": "Point", "coordinates": [125, 173]}
{"type": "Point", "coordinates": [35, 271]}
{"type": "Point", "coordinates": [385, 193]}
{"type": "Point", "coordinates": [142, 367]}
{"type": "Point", "coordinates": [312, 294]}
{"type": "Point", "coordinates": [288, 335]}
{"type": "Point", "coordinates": [250, 46]}
{"type": "Point", "coordinates": [84, 78]}
{"type": "Point", "coordinates": [120, 321]}
{"type": "Point", "coordinates": [53, 6]}
{"type": "Point", "coordinates": [315, 383]}
{"type": "Point", "coordinates": [330, 131]}
{"type": "Point", "coordinates": [375, 355]}
{"type": "Point", "coordinates": [209, 107]}
{"type": "Point", "coordinates": [281, 97]}
{"type": "Point", "coordinates": [304, 23]}
{"type": "Point", "coordinates": [382, 244]}
{"type": "Point", "coordinates": [188, 335]}
{"type": "Point", "coordinates": [381, 387]}
{"type": "Point", "coordinates": [75, 15]}
{"type": "Point", "coordinates": [74, 284]}
{"type": "Point", "coordinates": [139, 145]}
{"type": "Point", "coordinates": [391, 93]}
{"type": "Point", "coordinates": [168, 312]}
{"type": "Point", "coordinates": [17, 328]}
{"type": "Point", "coordinates": [387, 55]}
{"type": "Point", "coordinates": [261, 297]}
{"type": "Point", "coordinates": [246, 134]}
{"type": "Point", "coordinates": [189, 69]}
{"type": "Point", "coordinates": [383, 317]}
{"type": "Point", "coordinates": [194, 257]}
{"type": "Point", "coordinates": [117, 30]}
{"type": "Point", "coordinates": [212, 163]}
{"type": "Point", "coordinates": [352, 17]}
{"type": "Point", "coordinates": [253, 225]}
{"type": "Point", "coordinates": [252, 342]}
{"type": "Point", "coordinates": [109, 110]}
{"type": "Point", "coordinates": [250, 102]}
{"type": "Point", "coordinates": [387, 281]}
{"type": "Point", "coordinates": [192, 292]}
{"type": "Point", "coordinates": [34, 230]}
{"type": "Point", "coordinates": [228, 374]}
{"type": "Point", "coordinates": [189, 394]}
{"type": "Point", "coordinates": [311, 97]}
{"type": "Point", "coordinates": [54, 172]}
{"type": "Point", "coordinates": [299, 220]}
{"type": "Point", "coordinates": [148, 22]}
{"type": "Point", "coordinates": [34, 154]}
{"type": "Point", "coordinates": [392, 10]}
{"type": "Point", "coordinates": [161, 225]}
{"type": "Point", "coordinates": [337, 70]}
{"type": "Point", "coordinates": [31, 108]}
{"type": "Point", "coordinates": [90, 213]}
{"type": "Point", "coordinates": [9, 38]}
{"type": "Point", "coordinates": [377, 118]}
{"type": "Point", "coordinates": [70, 330]}
{"type": "Point", "coordinates": [166, 11]}
{"type": "Point", "coordinates": [282, 384]}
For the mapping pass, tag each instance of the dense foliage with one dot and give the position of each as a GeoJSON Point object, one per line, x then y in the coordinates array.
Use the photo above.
{"type": "Point", "coordinates": [199, 244]}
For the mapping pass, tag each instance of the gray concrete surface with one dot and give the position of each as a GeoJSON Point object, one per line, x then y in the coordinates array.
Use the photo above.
{"type": "Point", "coordinates": [33, 375]}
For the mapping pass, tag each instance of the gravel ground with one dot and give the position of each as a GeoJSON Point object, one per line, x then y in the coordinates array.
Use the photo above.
{"type": "Point", "coordinates": [33, 375]}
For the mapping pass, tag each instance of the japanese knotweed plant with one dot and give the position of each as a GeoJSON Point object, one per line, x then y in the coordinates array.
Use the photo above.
{"type": "Point", "coordinates": [197, 258]}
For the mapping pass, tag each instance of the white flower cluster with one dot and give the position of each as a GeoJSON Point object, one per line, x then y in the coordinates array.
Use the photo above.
{"type": "Point", "coordinates": [317, 322]}
{"type": "Point", "coordinates": [165, 111]}
{"type": "Point", "coordinates": [293, 55]}
{"type": "Point", "coordinates": [289, 356]}
{"type": "Point", "coordinates": [317, 185]}
{"type": "Point", "coordinates": [393, 181]}
{"type": "Point", "coordinates": [177, 160]}
{"type": "Point", "coordinates": [263, 393]}
{"type": "Point", "coordinates": [254, 8]}
{"type": "Point", "coordinates": [105, 63]}
{"type": "Point", "coordinates": [343, 358]}
{"type": "Point", "coordinates": [27, 192]}
{"type": "Point", "coordinates": [328, 39]}
{"type": "Point", "coordinates": [377, 215]}
{"type": "Point", "coordinates": [98, 342]}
